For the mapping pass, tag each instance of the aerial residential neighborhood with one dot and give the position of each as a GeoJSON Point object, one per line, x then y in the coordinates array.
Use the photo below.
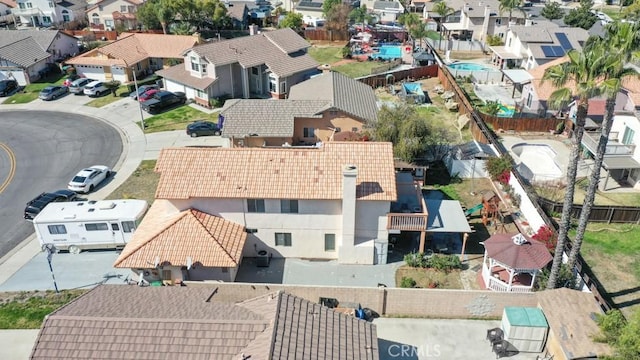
{"type": "Point", "coordinates": [319, 179]}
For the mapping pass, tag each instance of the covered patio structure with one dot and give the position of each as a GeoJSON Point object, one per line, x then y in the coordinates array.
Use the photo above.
{"type": "Point", "coordinates": [504, 58]}
{"type": "Point", "coordinates": [518, 77]}
{"type": "Point", "coordinates": [447, 227]}
{"type": "Point", "coordinates": [511, 262]}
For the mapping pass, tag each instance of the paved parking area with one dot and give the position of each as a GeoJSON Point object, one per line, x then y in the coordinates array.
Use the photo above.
{"type": "Point", "coordinates": [84, 270]}
{"type": "Point", "coordinates": [321, 273]}
{"type": "Point", "coordinates": [421, 339]}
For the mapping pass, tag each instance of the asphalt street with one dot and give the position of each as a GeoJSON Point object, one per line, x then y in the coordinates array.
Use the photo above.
{"type": "Point", "coordinates": [49, 148]}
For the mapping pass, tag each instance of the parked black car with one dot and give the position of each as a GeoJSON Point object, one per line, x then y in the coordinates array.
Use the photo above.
{"type": "Point", "coordinates": [163, 99]}
{"type": "Point", "coordinates": [36, 205]}
{"type": "Point", "coordinates": [7, 86]}
{"type": "Point", "coordinates": [202, 128]}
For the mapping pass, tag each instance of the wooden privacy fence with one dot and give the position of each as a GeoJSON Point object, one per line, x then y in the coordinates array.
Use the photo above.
{"type": "Point", "coordinates": [381, 80]}
{"type": "Point", "coordinates": [482, 133]}
{"type": "Point", "coordinates": [326, 35]}
{"type": "Point", "coordinates": [93, 35]}
{"type": "Point", "coordinates": [606, 214]}
{"type": "Point", "coordinates": [521, 124]}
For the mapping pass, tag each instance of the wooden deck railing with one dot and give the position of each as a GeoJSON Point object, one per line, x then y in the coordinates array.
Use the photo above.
{"type": "Point", "coordinates": [407, 221]}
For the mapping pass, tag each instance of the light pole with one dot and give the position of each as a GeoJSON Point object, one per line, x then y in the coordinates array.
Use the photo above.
{"type": "Point", "coordinates": [135, 83]}
{"type": "Point", "coordinates": [51, 249]}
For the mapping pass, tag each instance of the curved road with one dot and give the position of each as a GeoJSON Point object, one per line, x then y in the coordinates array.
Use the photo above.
{"type": "Point", "coordinates": [40, 151]}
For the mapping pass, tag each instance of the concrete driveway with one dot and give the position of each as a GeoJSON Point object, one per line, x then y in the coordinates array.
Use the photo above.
{"type": "Point", "coordinates": [447, 339]}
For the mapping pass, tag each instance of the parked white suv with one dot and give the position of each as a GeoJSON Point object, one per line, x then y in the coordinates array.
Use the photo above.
{"type": "Point", "coordinates": [95, 88]}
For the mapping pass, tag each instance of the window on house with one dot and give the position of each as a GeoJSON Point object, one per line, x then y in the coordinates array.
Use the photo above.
{"type": "Point", "coordinates": [201, 94]}
{"type": "Point", "coordinates": [123, 8]}
{"type": "Point", "coordinates": [308, 132]}
{"type": "Point", "coordinates": [329, 242]}
{"type": "Point", "coordinates": [627, 138]}
{"type": "Point", "coordinates": [283, 239]}
{"type": "Point", "coordinates": [29, 5]}
{"type": "Point", "coordinates": [128, 226]}
{"type": "Point", "coordinates": [255, 205]}
{"type": "Point", "coordinates": [204, 68]}
{"type": "Point", "coordinates": [66, 17]}
{"type": "Point", "coordinates": [51, 4]}
{"type": "Point", "coordinates": [57, 229]}
{"type": "Point", "coordinates": [529, 100]}
{"type": "Point", "coordinates": [131, 9]}
{"type": "Point", "coordinates": [21, 5]}
{"type": "Point", "coordinates": [283, 87]}
{"type": "Point", "coordinates": [255, 71]}
{"type": "Point", "coordinates": [46, 19]}
{"type": "Point", "coordinates": [96, 227]}
{"type": "Point", "coordinates": [195, 64]}
{"type": "Point", "coordinates": [95, 19]}
{"type": "Point", "coordinates": [499, 21]}
{"type": "Point", "coordinates": [115, 227]}
{"type": "Point", "coordinates": [289, 206]}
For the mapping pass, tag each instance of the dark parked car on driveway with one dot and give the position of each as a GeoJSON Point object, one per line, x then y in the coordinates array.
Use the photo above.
{"type": "Point", "coordinates": [7, 86]}
{"type": "Point", "coordinates": [202, 128]}
{"type": "Point", "coordinates": [36, 205]}
{"type": "Point", "coordinates": [53, 92]}
{"type": "Point", "coordinates": [162, 100]}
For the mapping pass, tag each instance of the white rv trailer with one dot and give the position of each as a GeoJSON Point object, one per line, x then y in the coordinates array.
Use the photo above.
{"type": "Point", "coordinates": [76, 226]}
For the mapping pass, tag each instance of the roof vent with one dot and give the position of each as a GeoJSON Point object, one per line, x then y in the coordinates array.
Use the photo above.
{"type": "Point", "coordinates": [81, 204]}
{"type": "Point", "coordinates": [519, 239]}
{"type": "Point", "coordinates": [91, 210]}
{"type": "Point", "coordinates": [350, 167]}
{"type": "Point", "coordinates": [70, 216]}
{"type": "Point", "coordinates": [91, 202]}
{"type": "Point", "coordinates": [107, 206]}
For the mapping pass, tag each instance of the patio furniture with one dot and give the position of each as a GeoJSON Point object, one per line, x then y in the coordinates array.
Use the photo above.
{"type": "Point", "coordinates": [495, 335]}
{"type": "Point", "coordinates": [501, 348]}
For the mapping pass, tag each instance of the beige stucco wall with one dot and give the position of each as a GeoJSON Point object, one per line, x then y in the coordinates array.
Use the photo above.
{"type": "Point", "coordinates": [322, 126]}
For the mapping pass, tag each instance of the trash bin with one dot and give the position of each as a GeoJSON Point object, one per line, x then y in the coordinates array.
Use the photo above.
{"type": "Point", "coordinates": [160, 83]}
{"type": "Point", "coordinates": [263, 259]}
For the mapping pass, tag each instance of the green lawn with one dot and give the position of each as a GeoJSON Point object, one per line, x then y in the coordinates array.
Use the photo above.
{"type": "Point", "coordinates": [26, 310]}
{"type": "Point", "coordinates": [613, 12]}
{"type": "Point", "coordinates": [121, 92]}
{"type": "Point", "coordinates": [357, 69]}
{"type": "Point", "coordinates": [434, 35]}
{"type": "Point", "coordinates": [177, 119]}
{"type": "Point", "coordinates": [31, 91]}
{"type": "Point", "coordinates": [326, 55]}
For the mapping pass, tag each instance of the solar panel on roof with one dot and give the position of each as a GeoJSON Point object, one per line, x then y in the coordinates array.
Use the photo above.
{"type": "Point", "coordinates": [552, 51]}
{"type": "Point", "coordinates": [564, 41]}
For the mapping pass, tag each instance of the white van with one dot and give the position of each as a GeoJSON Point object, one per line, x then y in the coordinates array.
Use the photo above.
{"type": "Point", "coordinates": [76, 226]}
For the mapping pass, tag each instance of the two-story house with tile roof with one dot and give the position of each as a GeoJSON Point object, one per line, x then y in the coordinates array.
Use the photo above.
{"type": "Point", "coordinates": [323, 108]}
{"type": "Point", "coordinates": [142, 53]}
{"type": "Point", "coordinates": [534, 44]}
{"type": "Point", "coordinates": [261, 65]}
{"type": "Point", "coordinates": [477, 19]}
{"type": "Point", "coordinates": [215, 205]}
{"type": "Point", "coordinates": [25, 53]}
{"type": "Point", "coordinates": [49, 12]}
{"type": "Point", "coordinates": [106, 14]}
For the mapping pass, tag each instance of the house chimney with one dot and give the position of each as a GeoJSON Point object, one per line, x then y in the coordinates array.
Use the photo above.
{"type": "Point", "coordinates": [349, 175]}
{"type": "Point", "coordinates": [253, 30]}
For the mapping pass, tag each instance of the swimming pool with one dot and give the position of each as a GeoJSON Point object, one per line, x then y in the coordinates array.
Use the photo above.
{"type": "Point", "coordinates": [537, 162]}
{"type": "Point", "coordinates": [388, 52]}
{"type": "Point", "coordinates": [470, 67]}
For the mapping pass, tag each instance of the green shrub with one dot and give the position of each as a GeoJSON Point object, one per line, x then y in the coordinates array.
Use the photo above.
{"type": "Point", "coordinates": [219, 101]}
{"type": "Point", "coordinates": [407, 282]}
{"type": "Point", "coordinates": [496, 166]}
{"type": "Point", "coordinates": [415, 260]}
{"type": "Point", "coordinates": [444, 262]}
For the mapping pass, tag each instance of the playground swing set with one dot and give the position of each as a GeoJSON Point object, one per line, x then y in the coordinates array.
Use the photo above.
{"type": "Point", "coordinates": [489, 210]}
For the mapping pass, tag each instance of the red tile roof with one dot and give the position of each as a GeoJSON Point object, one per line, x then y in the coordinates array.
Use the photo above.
{"type": "Point", "coordinates": [173, 236]}
{"type": "Point", "coordinates": [528, 256]}
{"type": "Point", "coordinates": [276, 173]}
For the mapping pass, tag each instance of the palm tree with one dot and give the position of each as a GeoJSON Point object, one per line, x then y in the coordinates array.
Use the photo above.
{"type": "Point", "coordinates": [581, 69]}
{"type": "Point", "coordinates": [411, 21]}
{"type": "Point", "coordinates": [510, 5]}
{"type": "Point", "coordinates": [443, 10]}
{"type": "Point", "coordinates": [621, 41]}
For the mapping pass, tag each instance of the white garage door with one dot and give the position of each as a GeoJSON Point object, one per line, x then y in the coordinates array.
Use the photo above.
{"type": "Point", "coordinates": [16, 74]}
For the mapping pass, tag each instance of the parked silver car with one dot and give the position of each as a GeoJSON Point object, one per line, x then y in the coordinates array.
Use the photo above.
{"type": "Point", "coordinates": [53, 92]}
{"type": "Point", "coordinates": [95, 88]}
{"type": "Point", "coordinates": [77, 86]}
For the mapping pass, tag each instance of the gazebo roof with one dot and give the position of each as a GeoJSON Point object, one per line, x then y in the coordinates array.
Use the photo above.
{"type": "Point", "coordinates": [531, 255]}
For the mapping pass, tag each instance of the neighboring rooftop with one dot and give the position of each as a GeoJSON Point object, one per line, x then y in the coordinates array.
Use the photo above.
{"type": "Point", "coordinates": [283, 51]}
{"type": "Point", "coordinates": [43, 38]}
{"type": "Point", "coordinates": [276, 173]}
{"type": "Point", "coordinates": [124, 322]}
{"type": "Point", "coordinates": [174, 236]}
{"type": "Point", "coordinates": [24, 52]}
{"type": "Point", "coordinates": [344, 93]}
{"type": "Point", "coordinates": [130, 49]}
{"type": "Point", "coordinates": [571, 317]}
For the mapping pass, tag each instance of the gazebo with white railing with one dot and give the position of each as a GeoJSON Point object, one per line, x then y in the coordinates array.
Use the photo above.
{"type": "Point", "coordinates": [512, 261]}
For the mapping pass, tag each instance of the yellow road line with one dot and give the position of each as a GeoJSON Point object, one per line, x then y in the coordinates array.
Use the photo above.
{"type": "Point", "coordinates": [12, 166]}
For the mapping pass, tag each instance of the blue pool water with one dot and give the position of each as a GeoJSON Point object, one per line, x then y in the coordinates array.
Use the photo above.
{"type": "Point", "coordinates": [469, 67]}
{"type": "Point", "coordinates": [413, 88]}
{"type": "Point", "coordinates": [506, 111]}
{"type": "Point", "coordinates": [388, 52]}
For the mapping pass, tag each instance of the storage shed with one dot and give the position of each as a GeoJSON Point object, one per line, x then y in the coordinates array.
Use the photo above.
{"type": "Point", "coordinates": [525, 328]}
